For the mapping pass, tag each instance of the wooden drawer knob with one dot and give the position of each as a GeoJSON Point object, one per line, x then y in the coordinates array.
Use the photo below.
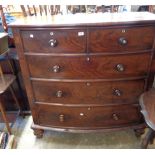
{"type": "Point", "coordinates": [61, 118]}
{"type": "Point", "coordinates": [122, 41]}
{"type": "Point", "coordinates": [59, 94]}
{"type": "Point", "coordinates": [117, 92]}
{"type": "Point", "coordinates": [115, 117]}
{"type": "Point", "coordinates": [53, 42]}
{"type": "Point", "coordinates": [56, 69]}
{"type": "Point", "coordinates": [120, 67]}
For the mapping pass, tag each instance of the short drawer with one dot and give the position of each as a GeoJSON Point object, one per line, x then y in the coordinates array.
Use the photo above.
{"type": "Point", "coordinates": [121, 40]}
{"type": "Point", "coordinates": [116, 92]}
{"type": "Point", "coordinates": [88, 117]}
{"type": "Point", "coordinates": [91, 67]}
{"type": "Point", "coordinates": [54, 41]}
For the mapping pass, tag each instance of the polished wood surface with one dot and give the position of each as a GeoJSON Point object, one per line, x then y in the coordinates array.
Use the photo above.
{"type": "Point", "coordinates": [87, 117]}
{"type": "Point", "coordinates": [96, 63]}
{"type": "Point", "coordinates": [55, 40]}
{"type": "Point", "coordinates": [81, 93]}
{"type": "Point", "coordinates": [88, 66]}
{"type": "Point", "coordinates": [74, 40]}
{"type": "Point", "coordinates": [103, 19]}
{"type": "Point", "coordinates": [101, 38]}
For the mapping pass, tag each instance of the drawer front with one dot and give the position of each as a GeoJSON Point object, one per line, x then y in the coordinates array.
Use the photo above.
{"type": "Point", "coordinates": [54, 41]}
{"type": "Point", "coordinates": [88, 92]}
{"type": "Point", "coordinates": [121, 40]}
{"type": "Point", "coordinates": [92, 67]}
{"type": "Point", "coordinates": [88, 117]}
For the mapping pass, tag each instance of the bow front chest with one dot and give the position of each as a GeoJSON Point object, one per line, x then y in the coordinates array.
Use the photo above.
{"type": "Point", "coordinates": [85, 73]}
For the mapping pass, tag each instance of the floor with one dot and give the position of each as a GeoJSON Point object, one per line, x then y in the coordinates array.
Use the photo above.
{"type": "Point", "coordinates": [60, 140]}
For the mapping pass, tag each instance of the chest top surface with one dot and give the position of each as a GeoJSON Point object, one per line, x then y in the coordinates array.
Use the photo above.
{"type": "Point", "coordinates": [99, 19]}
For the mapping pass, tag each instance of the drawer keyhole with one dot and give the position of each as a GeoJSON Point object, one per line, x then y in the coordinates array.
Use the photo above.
{"type": "Point", "coordinates": [123, 30]}
{"type": "Point", "coordinates": [88, 84]}
{"type": "Point", "coordinates": [61, 118]}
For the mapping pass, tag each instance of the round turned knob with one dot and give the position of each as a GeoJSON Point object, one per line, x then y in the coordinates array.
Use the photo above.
{"type": "Point", "coordinates": [53, 42]}
{"type": "Point", "coordinates": [120, 67]}
{"type": "Point", "coordinates": [122, 41]}
{"type": "Point", "coordinates": [61, 118]}
{"type": "Point", "coordinates": [117, 92]}
{"type": "Point", "coordinates": [56, 69]}
{"type": "Point", "coordinates": [115, 117]}
{"type": "Point", "coordinates": [59, 94]}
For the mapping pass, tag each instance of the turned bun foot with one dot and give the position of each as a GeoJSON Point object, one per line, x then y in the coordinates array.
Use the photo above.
{"type": "Point", "coordinates": [139, 132]}
{"type": "Point", "coordinates": [38, 133]}
{"type": "Point", "coordinates": [148, 139]}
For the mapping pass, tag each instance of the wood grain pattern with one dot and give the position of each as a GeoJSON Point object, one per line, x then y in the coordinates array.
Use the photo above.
{"type": "Point", "coordinates": [107, 40]}
{"type": "Point", "coordinates": [81, 93]}
{"type": "Point", "coordinates": [89, 117]}
{"type": "Point", "coordinates": [67, 40]}
{"type": "Point", "coordinates": [24, 69]}
{"type": "Point", "coordinates": [88, 67]}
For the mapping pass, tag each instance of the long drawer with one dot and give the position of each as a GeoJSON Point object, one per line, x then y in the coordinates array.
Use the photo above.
{"type": "Point", "coordinates": [88, 117]}
{"type": "Point", "coordinates": [89, 67]}
{"type": "Point", "coordinates": [115, 92]}
{"type": "Point", "coordinates": [54, 40]}
{"type": "Point", "coordinates": [120, 39]}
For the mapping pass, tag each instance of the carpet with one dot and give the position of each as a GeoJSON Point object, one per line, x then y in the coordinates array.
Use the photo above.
{"type": "Point", "coordinates": [25, 139]}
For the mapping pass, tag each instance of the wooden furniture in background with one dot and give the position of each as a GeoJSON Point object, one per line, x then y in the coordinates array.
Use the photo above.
{"type": "Point", "coordinates": [40, 10]}
{"type": "Point", "coordinates": [5, 27]}
{"type": "Point", "coordinates": [6, 81]}
{"type": "Point", "coordinates": [56, 9]}
{"type": "Point", "coordinates": [147, 102]}
{"type": "Point", "coordinates": [86, 75]}
{"type": "Point", "coordinates": [4, 24]}
{"type": "Point", "coordinates": [13, 59]}
{"type": "Point", "coordinates": [3, 43]}
{"type": "Point", "coordinates": [152, 8]}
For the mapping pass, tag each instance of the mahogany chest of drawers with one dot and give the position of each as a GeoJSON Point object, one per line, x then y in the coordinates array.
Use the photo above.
{"type": "Point", "coordinates": [86, 75]}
